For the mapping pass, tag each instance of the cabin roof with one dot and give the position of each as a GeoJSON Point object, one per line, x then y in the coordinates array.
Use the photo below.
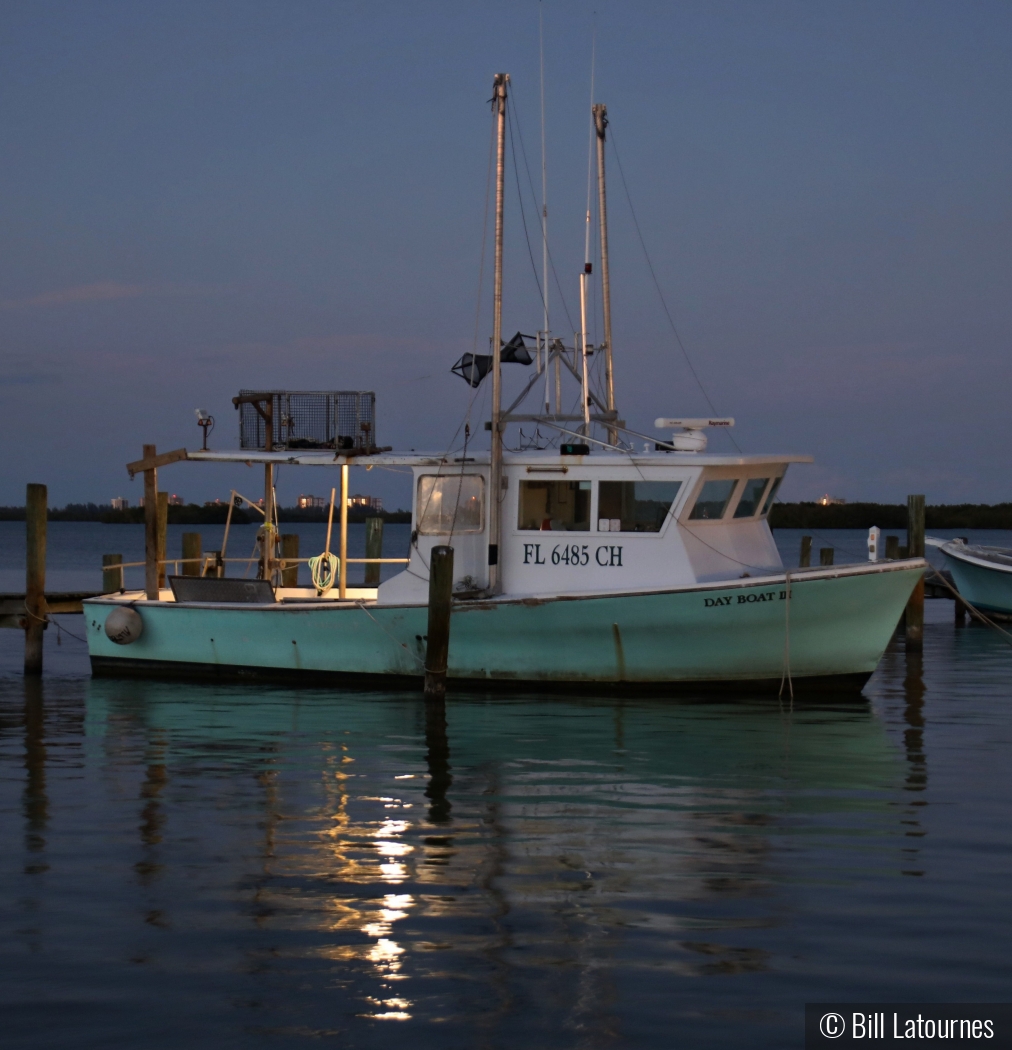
{"type": "Point", "coordinates": [436, 459]}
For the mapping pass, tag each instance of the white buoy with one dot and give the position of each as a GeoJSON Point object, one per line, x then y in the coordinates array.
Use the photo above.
{"type": "Point", "coordinates": [874, 539]}
{"type": "Point", "coordinates": [124, 625]}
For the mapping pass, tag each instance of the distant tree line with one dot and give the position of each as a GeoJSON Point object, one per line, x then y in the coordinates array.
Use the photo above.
{"type": "Point", "coordinates": [197, 514]}
{"type": "Point", "coordinates": [782, 516]}
{"type": "Point", "coordinates": [889, 516]}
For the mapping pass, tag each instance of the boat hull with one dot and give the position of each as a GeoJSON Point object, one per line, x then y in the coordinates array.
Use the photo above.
{"type": "Point", "coordinates": [986, 587]}
{"type": "Point", "coordinates": [827, 627]}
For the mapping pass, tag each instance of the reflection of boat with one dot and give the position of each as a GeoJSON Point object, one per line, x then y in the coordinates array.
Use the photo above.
{"type": "Point", "coordinates": [640, 566]}
{"type": "Point", "coordinates": [982, 575]}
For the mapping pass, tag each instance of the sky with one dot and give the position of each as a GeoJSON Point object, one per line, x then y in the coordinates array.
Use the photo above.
{"type": "Point", "coordinates": [201, 197]}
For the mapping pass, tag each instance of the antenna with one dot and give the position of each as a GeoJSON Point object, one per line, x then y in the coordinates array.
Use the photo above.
{"type": "Point", "coordinates": [544, 198]}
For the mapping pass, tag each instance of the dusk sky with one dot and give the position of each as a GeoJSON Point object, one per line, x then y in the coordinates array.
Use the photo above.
{"type": "Point", "coordinates": [199, 197]}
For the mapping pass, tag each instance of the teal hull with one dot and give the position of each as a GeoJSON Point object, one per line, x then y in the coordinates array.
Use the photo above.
{"type": "Point", "coordinates": [984, 588]}
{"type": "Point", "coordinates": [835, 626]}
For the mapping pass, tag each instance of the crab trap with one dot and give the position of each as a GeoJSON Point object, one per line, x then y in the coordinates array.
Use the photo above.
{"type": "Point", "coordinates": [342, 420]}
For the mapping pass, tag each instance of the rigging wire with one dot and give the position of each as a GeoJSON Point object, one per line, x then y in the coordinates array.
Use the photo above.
{"type": "Point", "coordinates": [520, 199]}
{"type": "Point", "coordinates": [551, 260]}
{"type": "Point", "coordinates": [657, 286]}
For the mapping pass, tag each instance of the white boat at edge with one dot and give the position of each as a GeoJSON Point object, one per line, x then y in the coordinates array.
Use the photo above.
{"type": "Point", "coordinates": [982, 574]}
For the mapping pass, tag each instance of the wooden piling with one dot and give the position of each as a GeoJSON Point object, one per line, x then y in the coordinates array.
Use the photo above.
{"type": "Point", "coordinates": [373, 549]}
{"type": "Point", "coordinates": [892, 548]}
{"type": "Point", "coordinates": [192, 554]}
{"type": "Point", "coordinates": [36, 505]}
{"type": "Point", "coordinates": [825, 555]}
{"type": "Point", "coordinates": [163, 532]}
{"type": "Point", "coordinates": [915, 549]}
{"type": "Point", "coordinates": [112, 575]}
{"type": "Point", "coordinates": [151, 526]}
{"type": "Point", "coordinates": [960, 612]}
{"type": "Point", "coordinates": [289, 566]}
{"type": "Point", "coordinates": [806, 552]}
{"type": "Point", "coordinates": [438, 638]}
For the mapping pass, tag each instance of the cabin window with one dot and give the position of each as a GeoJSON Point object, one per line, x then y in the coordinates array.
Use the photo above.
{"type": "Point", "coordinates": [751, 497]}
{"type": "Point", "coordinates": [450, 503]}
{"type": "Point", "coordinates": [634, 506]}
{"type": "Point", "coordinates": [713, 499]}
{"type": "Point", "coordinates": [772, 496]}
{"type": "Point", "coordinates": [560, 506]}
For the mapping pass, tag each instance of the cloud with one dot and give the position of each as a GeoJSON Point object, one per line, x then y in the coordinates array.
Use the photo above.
{"type": "Point", "coordinates": [103, 291]}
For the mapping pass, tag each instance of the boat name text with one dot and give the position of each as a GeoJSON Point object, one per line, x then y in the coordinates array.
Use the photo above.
{"type": "Point", "coordinates": [752, 596]}
{"type": "Point", "coordinates": [607, 555]}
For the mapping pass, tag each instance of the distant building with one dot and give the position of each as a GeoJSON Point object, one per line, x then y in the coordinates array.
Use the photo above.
{"type": "Point", "coordinates": [368, 502]}
{"type": "Point", "coordinates": [830, 501]}
{"type": "Point", "coordinates": [119, 503]}
{"type": "Point", "coordinates": [215, 503]}
{"type": "Point", "coordinates": [176, 501]}
{"type": "Point", "coordinates": [306, 502]}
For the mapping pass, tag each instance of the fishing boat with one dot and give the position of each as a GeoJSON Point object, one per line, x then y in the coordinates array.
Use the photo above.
{"type": "Point", "coordinates": [982, 574]}
{"type": "Point", "coordinates": [605, 557]}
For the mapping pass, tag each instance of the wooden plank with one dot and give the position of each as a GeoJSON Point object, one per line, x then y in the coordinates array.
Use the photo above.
{"type": "Point", "coordinates": [915, 549]}
{"type": "Point", "coordinates": [163, 529]}
{"type": "Point", "coordinates": [151, 461]}
{"type": "Point", "coordinates": [192, 555]}
{"type": "Point", "coordinates": [34, 611]}
{"type": "Point", "coordinates": [373, 549]}
{"type": "Point", "coordinates": [112, 573]}
{"type": "Point", "coordinates": [150, 526]}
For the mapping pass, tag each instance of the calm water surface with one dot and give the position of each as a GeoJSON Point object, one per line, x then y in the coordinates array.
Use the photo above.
{"type": "Point", "coordinates": [227, 866]}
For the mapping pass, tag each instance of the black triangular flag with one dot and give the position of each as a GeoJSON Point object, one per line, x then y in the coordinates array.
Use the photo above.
{"type": "Point", "coordinates": [473, 368]}
{"type": "Point", "coordinates": [515, 351]}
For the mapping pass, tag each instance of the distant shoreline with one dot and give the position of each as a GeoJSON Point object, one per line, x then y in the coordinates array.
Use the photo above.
{"type": "Point", "coordinates": [197, 514]}
{"type": "Point", "coordinates": [889, 516]}
{"type": "Point", "coordinates": [782, 516]}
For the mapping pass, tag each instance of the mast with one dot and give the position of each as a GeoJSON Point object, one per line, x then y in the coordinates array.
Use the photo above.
{"type": "Point", "coordinates": [601, 123]}
{"type": "Point", "coordinates": [495, 480]}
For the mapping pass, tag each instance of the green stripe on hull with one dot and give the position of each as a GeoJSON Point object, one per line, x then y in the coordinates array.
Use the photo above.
{"type": "Point", "coordinates": [837, 625]}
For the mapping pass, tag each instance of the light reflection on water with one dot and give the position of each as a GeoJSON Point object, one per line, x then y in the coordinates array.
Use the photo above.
{"type": "Point", "coordinates": [212, 865]}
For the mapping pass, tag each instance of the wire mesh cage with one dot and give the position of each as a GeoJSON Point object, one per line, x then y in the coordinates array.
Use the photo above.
{"type": "Point", "coordinates": [342, 420]}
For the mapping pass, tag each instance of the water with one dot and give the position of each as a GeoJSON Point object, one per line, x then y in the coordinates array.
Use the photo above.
{"type": "Point", "coordinates": [226, 866]}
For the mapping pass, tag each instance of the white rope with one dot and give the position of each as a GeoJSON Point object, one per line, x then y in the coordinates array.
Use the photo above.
{"type": "Point", "coordinates": [323, 571]}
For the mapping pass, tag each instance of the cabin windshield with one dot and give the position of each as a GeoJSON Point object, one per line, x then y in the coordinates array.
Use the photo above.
{"type": "Point", "coordinates": [713, 499]}
{"type": "Point", "coordinates": [635, 506]}
{"type": "Point", "coordinates": [751, 496]}
{"type": "Point", "coordinates": [450, 503]}
{"type": "Point", "coordinates": [562, 506]}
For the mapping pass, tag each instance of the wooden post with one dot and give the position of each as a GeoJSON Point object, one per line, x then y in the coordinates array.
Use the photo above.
{"type": "Point", "coordinates": [112, 576]}
{"type": "Point", "coordinates": [438, 639]}
{"type": "Point", "coordinates": [915, 549]}
{"type": "Point", "coordinates": [150, 527]}
{"type": "Point", "coordinates": [825, 555]}
{"type": "Point", "coordinates": [163, 530]}
{"type": "Point", "coordinates": [960, 612]}
{"type": "Point", "coordinates": [289, 549]}
{"type": "Point", "coordinates": [192, 553]}
{"type": "Point", "coordinates": [892, 548]}
{"type": "Point", "coordinates": [343, 568]}
{"type": "Point", "coordinates": [806, 552]}
{"type": "Point", "coordinates": [36, 505]}
{"type": "Point", "coordinates": [373, 549]}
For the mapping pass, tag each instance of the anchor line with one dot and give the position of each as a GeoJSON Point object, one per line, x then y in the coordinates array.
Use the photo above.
{"type": "Point", "coordinates": [56, 623]}
{"type": "Point", "coordinates": [417, 660]}
{"type": "Point", "coordinates": [785, 674]}
{"type": "Point", "coordinates": [973, 609]}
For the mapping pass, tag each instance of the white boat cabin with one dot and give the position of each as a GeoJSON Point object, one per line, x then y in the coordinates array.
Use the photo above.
{"type": "Point", "coordinates": [599, 523]}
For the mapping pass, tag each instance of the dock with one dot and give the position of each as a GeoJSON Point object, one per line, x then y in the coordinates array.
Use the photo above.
{"type": "Point", "coordinates": [14, 611]}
